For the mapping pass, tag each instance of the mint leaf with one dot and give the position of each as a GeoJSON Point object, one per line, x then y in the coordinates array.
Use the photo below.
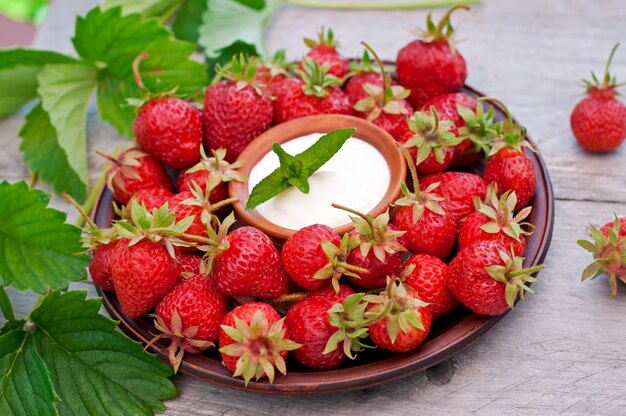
{"type": "Point", "coordinates": [267, 188]}
{"type": "Point", "coordinates": [95, 369]}
{"type": "Point", "coordinates": [188, 20]}
{"type": "Point", "coordinates": [322, 150]}
{"type": "Point", "coordinates": [18, 76]}
{"type": "Point", "coordinates": [25, 386]}
{"type": "Point", "coordinates": [37, 249]}
{"type": "Point", "coordinates": [65, 90]}
{"type": "Point", "coordinates": [113, 107]}
{"type": "Point", "coordinates": [44, 155]}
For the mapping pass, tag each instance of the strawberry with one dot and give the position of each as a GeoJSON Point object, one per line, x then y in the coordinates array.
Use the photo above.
{"type": "Point", "coordinates": [609, 253]}
{"type": "Point", "coordinates": [376, 250]}
{"type": "Point", "coordinates": [406, 323]}
{"type": "Point", "coordinates": [245, 262]}
{"type": "Point", "coordinates": [508, 166]}
{"type": "Point", "coordinates": [254, 341]}
{"type": "Point", "coordinates": [190, 316]}
{"type": "Point", "coordinates": [361, 73]}
{"type": "Point", "coordinates": [487, 278]}
{"type": "Point", "coordinates": [133, 170]}
{"type": "Point", "coordinates": [272, 75]}
{"type": "Point", "coordinates": [316, 93]}
{"type": "Point", "coordinates": [495, 221]}
{"type": "Point", "coordinates": [432, 66]}
{"type": "Point", "coordinates": [235, 110]}
{"type": "Point", "coordinates": [385, 105]}
{"type": "Point", "coordinates": [184, 205]}
{"type": "Point", "coordinates": [429, 140]}
{"type": "Point", "coordinates": [428, 228]}
{"type": "Point", "coordinates": [190, 263]}
{"type": "Point", "coordinates": [428, 276]}
{"type": "Point", "coordinates": [100, 265]}
{"type": "Point", "coordinates": [458, 190]}
{"type": "Point", "coordinates": [151, 198]}
{"type": "Point", "coordinates": [599, 120]}
{"type": "Point", "coordinates": [324, 51]}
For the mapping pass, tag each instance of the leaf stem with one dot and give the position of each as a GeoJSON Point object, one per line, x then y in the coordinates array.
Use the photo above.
{"type": "Point", "coordinates": [5, 305]}
{"type": "Point", "coordinates": [526, 271]}
{"type": "Point", "coordinates": [412, 170]}
{"type": "Point", "coordinates": [32, 181]}
{"type": "Point", "coordinates": [378, 5]}
{"type": "Point", "coordinates": [91, 199]}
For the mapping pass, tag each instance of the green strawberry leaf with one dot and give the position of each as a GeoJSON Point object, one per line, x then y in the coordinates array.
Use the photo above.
{"type": "Point", "coordinates": [113, 95]}
{"type": "Point", "coordinates": [253, 4]}
{"type": "Point", "coordinates": [65, 90]}
{"type": "Point", "coordinates": [44, 155]}
{"type": "Point", "coordinates": [18, 76]}
{"type": "Point", "coordinates": [37, 249]}
{"type": "Point", "coordinates": [188, 20]}
{"type": "Point", "coordinates": [148, 8]}
{"type": "Point", "coordinates": [25, 386]}
{"type": "Point", "coordinates": [95, 369]}
{"type": "Point", "coordinates": [226, 55]}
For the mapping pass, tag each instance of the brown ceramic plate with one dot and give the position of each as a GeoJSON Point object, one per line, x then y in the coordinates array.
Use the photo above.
{"type": "Point", "coordinates": [448, 335]}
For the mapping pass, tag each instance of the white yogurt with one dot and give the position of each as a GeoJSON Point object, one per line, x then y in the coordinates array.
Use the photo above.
{"type": "Point", "coordinates": [357, 176]}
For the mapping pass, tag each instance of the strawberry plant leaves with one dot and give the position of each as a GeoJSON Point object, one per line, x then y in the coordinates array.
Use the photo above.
{"type": "Point", "coordinates": [148, 8]}
{"type": "Point", "coordinates": [65, 90]}
{"type": "Point", "coordinates": [112, 102]}
{"type": "Point", "coordinates": [95, 369]}
{"type": "Point", "coordinates": [188, 20]}
{"type": "Point", "coordinates": [44, 155]}
{"type": "Point", "coordinates": [25, 386]}
{"type": "Point", "coordinates": [226, 55]}
{"type": "Point", "coordinates": [253, 4]}
{"type": "Point", "coordinates": [37, 248]}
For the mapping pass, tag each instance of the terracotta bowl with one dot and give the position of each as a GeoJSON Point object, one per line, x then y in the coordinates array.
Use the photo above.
{"type": "Point", "coordinates": [448, 336]}
{"type": "Point", "coordinates": [292, 129]}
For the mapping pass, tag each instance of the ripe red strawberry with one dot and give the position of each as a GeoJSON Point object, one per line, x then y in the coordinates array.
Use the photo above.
{"type": "Point", "coordinates": [512, 170]}
{"type": "Point", "coordinates": [133, 170]}
{"type": "Point", "coordinates": [190, 315]}
{"type": "Point", "coordinates": [458, 190]}
{"type": "Point", "coordinates": [431, 66]}
{"type": "Point", "coordinates": [316, 93]}
{"type": "Point", "coordinates": [487, 279]}
{"type": "Point", "coordinates": [362, 72]}
{"type": "Point", "coordinates": [246, 262]}
{"type": "Point", "coordinates": [272, 75]}
{"type": "Point", "coordinates": [608, 248]}
{"type": "Point", "coordinates": [385, 105]}
{"type": "Point", "coordinates": [184, 205]}
{"type": "Point", "coordinates": [235, 110]}
{"type": "Point", "coordinates": [254, 340]}
{"type": "Point", "coordinates": [309, 324]}
{"type": "Point", "coordinates": [405, 328]}
{"type": "Point", "coordinates": [495, 221]}
{"type": "Point", "coordinates": [599, 120]}
{"type": "Point", "coordinates": [429, 140]}
{"type": "Point", "coordinates": [324, 51]}
{"type": "Point", "coordinates": [429, 278]}
{"type": "Point", "coordinates": [152, 198]}
{"type": "Point", "coordinates": [100, 265]}
{"type": "Point", "coordinates": [330, 294]}
{"type": "Point", "coordinates": [190, 263]}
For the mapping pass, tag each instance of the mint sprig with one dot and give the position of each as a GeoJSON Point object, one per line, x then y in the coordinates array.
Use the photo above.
{"type": "Point", "coordinates": [295, 170]}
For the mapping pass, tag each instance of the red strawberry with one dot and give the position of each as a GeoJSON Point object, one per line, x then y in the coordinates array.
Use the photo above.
{"type": "Point", "coordinates": [235, 110]}
{"type": "Point", "coordinates": [494, 221]}
{"type": "Point", "coordinates": [458, 190]}
{"type": "Point", "coordinates": [329, 293]}
{"type": "Point", "coordinates": [432, 66]}
{"type": "Point", "coordinates": [316, 93]}
{"type": "Point", "coordinates": [362, 72]}
{"type": "Point", "coordinates": [429, 140]}
{"type": "Point", "coordinates": [134, 170]}
{"type": "Point", "coordinates": [184, 205]}
{"type": "Point", "coordinates": [254, 340]}
{"type": "Point", "coordinates": [190, 315]}
{"type": "Point", "coordinates": [405, 328]}
{"type": "Point", "coordinates": [272, 75]}
{"type": "Point", "coordinates": [152, 198]}
{"type": "Point", "coordinates": [608, 248]}
{"type": "Point", "coordinates": [100, 265]}
{"type": "Point", "coordinates": [324, 51]}
{"type": "Point", "coordinates": [599, 120]}
{"type": "Point", "coordinates": [190, 263]}
{"type": "Point", "coordinates": [429, 278]}
{"type": "Point", "coordinates": [487, 279]}
{"type": "Point", "coordinates": [246, 263]}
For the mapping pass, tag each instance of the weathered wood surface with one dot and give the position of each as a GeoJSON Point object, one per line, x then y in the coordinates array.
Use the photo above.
{"type": "Point", "coordinates": [560, 352]}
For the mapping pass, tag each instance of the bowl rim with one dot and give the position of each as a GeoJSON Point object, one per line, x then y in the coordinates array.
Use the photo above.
{"type": "Point", "coordinates": [321, 123]}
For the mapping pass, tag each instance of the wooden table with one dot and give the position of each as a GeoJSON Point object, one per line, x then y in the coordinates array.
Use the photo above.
{"type": "Point", "coordinates": [560, 352]}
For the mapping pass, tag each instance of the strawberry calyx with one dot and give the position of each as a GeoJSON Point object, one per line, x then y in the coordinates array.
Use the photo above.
{"type": "Point", "coordinates": [181, 340]}
{"type": "Point", "coordinates": [509, 134]}
{"type": "Point", "coordinates": [606, 88]}
{"type": "Point", "coordinates": [241, 71]}
{"type": "Point", "coordinates": [431, 135]}
{"type": "Point", "coordinates": [219, 169]}
{"type": "Point", "coordinates": [278, 65]}
{"type": "Point", "coordinates": [444, 29]}
{"type": "Point", "coordinates": [399, 308]}
{"type": "Point", "coordinates": [513, 276]}
{"type": "Point", "coordinates": [200, 198]}
{"type": "Point", "coordinates": [324, 38]}
{"type": "Point", "coordinates": [258, 347]}
{"type": "Point", "coordinates": [501, 213]}
{"type": "Point", "coordinates": [337, 262]}
{"type": "Point", "coordinates": [385, 99]}
{"type": "Point", "coordinates": [217, 242]}
{"type": "Point", "coordinates": [480, 127]}
{"type": "Point", "coordinates": [364, 66]}
{"type": "Point", "coordinates": [374, 234]}
{"type": "Point", "coordinates": [316, 79]}
{"type": "Point", "coordinates": [609, 254]}
{"type": "Point", "coordinates": [122, 167]}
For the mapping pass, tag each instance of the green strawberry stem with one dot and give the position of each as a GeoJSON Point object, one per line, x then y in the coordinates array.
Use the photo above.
{"type": "Point", "coordinates": [141, 57]}
{"type": "Point", "coordinates": [413, 170]}
{"type": "Point", "coordinates": [446, 17]}
{"type": "Point", "coordinates": [494, 100]}
{"type": "Point", "coordinates": [383, 73]}
{"type": "Point", "coordinates": [32, 180]}
{"type": "Point", "coordinates": [376, 5]}
{"type": "Point", "coordinates": [84, 216]}
{"type": "Point", "coordinates": [289, 298]}
{"type": "Point", "coordinates": [607, 76]}
{"type": "Point", "coordinates": [367, 218]}
{"type": "Point", "coordinates": [369, 321]}
{"type": "Point", "coordinates": [5, 305]}
{"type": "Point", "coordinates": [526, 271]}
{"type": "Point", "coordinates": [91, 198]}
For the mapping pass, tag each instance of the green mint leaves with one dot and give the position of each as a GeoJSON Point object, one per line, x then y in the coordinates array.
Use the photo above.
{"type": "Point", "coordinates": [295, 170]}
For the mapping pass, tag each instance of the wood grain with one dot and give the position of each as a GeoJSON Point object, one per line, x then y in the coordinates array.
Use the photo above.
{"type": "Point", "coordinates": [560, 351]}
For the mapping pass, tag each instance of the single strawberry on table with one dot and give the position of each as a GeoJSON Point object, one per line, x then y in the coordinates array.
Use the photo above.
{"type": "Point", "coordinates": [432, 66]}
{"type": "Point", "coordinates": [254, 342]}
{"type": "Point", "coordinates": [236, 110]}
{"type": "Point", "coordinates": [488, 278]}
{"type": "Point", "coordinates": [599, 120]}
{"type": "Point", "coordinates": [324, 51]}
{"type": "Point", "coordinates": [428, 276]}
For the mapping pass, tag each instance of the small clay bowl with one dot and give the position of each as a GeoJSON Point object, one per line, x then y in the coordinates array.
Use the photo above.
{"type": "Point", "coordinates": [292, 129]}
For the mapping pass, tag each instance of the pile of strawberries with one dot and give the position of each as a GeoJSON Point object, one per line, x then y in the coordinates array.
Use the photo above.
{"type": "Point", "coordinates": [324, 296]}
